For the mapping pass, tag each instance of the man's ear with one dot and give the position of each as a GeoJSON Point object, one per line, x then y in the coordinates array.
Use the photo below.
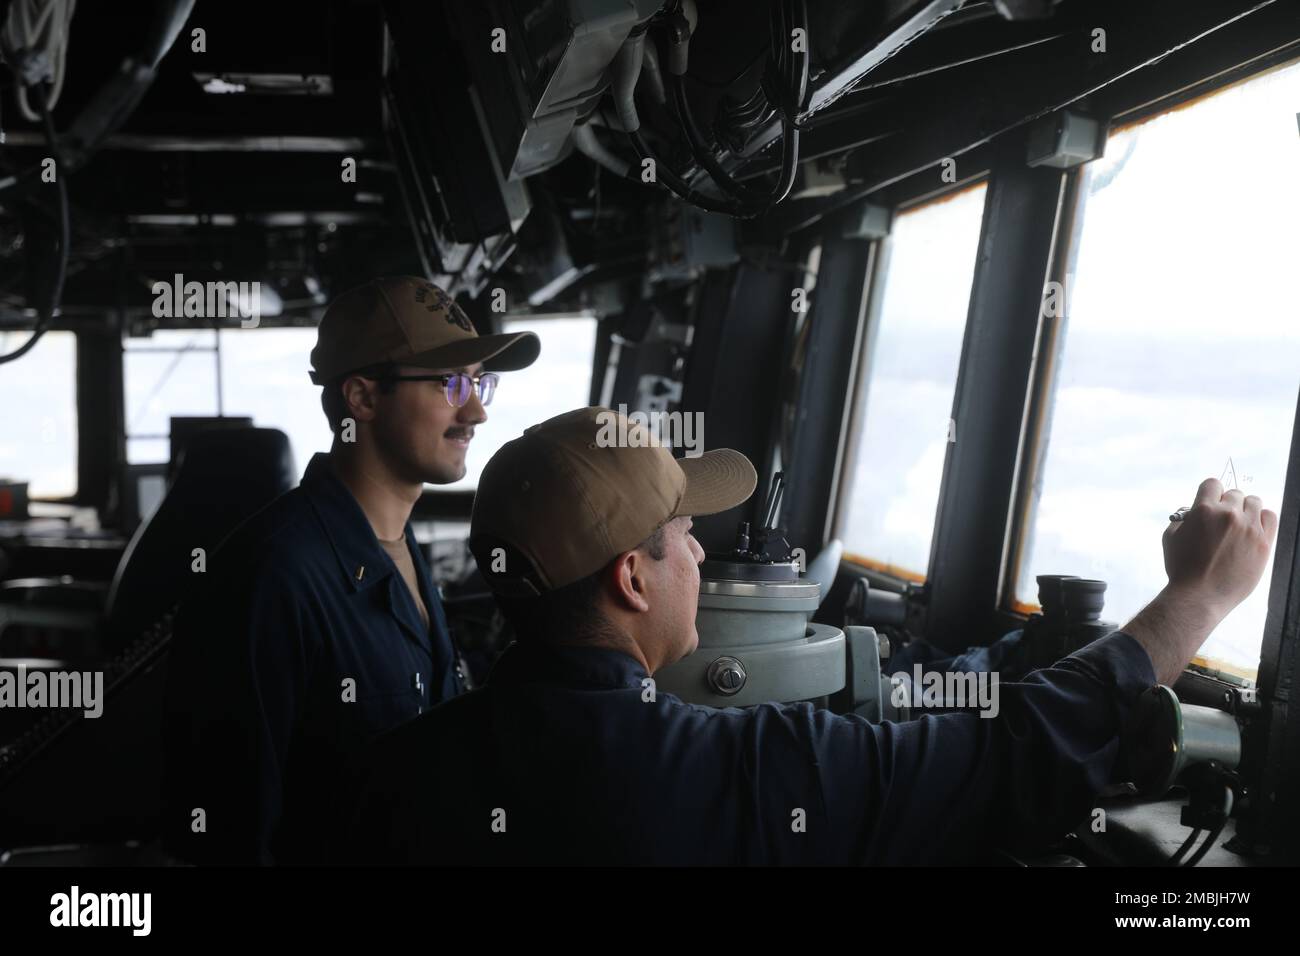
{"type": "Point", "coordinates": [359, 397]}
{"type": "Point", "coordinates": [628, 580]}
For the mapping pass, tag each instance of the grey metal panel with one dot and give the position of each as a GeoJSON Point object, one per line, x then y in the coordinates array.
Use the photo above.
{"type": "Point", "coordinates": [794, 670]}
{"type": "Point", "coordinates": [862, 679]}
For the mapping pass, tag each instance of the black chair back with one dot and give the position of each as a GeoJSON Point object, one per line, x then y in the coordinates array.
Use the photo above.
{"type": "Point", "coordinates": [224, 477]}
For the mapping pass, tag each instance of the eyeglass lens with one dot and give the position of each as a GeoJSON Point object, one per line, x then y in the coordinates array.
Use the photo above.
{"type": "Point", "coordinates": [459, 385]}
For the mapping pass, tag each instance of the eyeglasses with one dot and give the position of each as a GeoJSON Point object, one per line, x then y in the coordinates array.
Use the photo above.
{"type": "Point", "coordinates": [456, 385]}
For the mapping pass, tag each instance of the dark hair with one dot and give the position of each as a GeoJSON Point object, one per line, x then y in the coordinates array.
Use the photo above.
{"type": "Point", "coordinates": [331, 396]}
{"type": "Point", "coordinates": [568, 615]}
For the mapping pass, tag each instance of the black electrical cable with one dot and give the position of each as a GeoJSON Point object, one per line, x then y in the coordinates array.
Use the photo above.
{"type": "Point", "coordinates": [776, 36]}
{"type": "Point", "coordinates": [1204, 848]}
{"type": "Point", "coordinates": [665, 176]}
{"type": "Point", "coordinates": [65, 235]}
{"type": "Point", "coordinates": [784, 65]}
{"type": "Point", "coordinates": [754, 113]}
{"type": "Point", "coordinates": [703, 154]}
{"type": "Point", "coordinates": [801, 93]}
{"type": "Point", "coordinates": [1182, 850]}
{"type": "Point", "coordinates": [1213, 836]}
{"type": "Point", "coordinates": [794, 71]}
{"type": "Point", "coordinates": [700, 148]}
{"type": "Point", "coordinates": [789, 159]}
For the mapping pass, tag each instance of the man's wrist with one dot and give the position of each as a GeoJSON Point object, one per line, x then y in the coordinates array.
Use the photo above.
{"type": "Point", "coordinates": [1195, 608]}
{"type": "Point", "coordinates": [1174, 626]}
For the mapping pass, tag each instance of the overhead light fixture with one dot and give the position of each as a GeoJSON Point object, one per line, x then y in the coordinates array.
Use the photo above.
{"type": "Point", "coordinates": [215, 84]}
{"type": "Point", "coordinates": [267, 84]}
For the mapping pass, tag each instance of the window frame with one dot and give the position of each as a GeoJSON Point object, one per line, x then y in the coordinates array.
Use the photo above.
{"type": "Point", "coordinates": [1272, 764]}
{"type": "Point", "coordinates": [1038, 413]}
{"type": "Point", "coordinates": [127, 350]}
{"type": "Point", "coordinates": [1048, 351]}
{"type": "Point", "coordinates": [880, 572]}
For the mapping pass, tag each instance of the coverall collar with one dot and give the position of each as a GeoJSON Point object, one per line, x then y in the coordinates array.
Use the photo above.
{"type": "Point", "coordinates": [361, 558]}
{"type": "Point", "coordinates": [567, 664]}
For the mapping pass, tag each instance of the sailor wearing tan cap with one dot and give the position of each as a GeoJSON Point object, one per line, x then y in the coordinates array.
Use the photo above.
{"type": "Point", "coordinates": [568, 754]}
{"type": "Point", "coordinates": [317, 625]}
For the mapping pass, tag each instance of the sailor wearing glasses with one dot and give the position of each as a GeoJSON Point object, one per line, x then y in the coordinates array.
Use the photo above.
{"type": "Point", "coordinates": [317, 626]}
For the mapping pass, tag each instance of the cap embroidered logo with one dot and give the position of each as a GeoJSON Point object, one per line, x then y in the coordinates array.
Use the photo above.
{"type": "Point", "coordinates": [435, 299]}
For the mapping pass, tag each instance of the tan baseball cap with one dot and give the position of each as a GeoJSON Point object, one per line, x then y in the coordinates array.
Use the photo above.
{"type": "Point", "coordinates": [409, 321]}
{"type": "Point", "coordinates": [567, 499]}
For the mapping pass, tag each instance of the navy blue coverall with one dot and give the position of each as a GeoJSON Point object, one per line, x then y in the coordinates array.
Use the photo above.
{"type": "Point", "coordinates": [566, 756]}
{"type": "Point", "coordinates": [301, 644]}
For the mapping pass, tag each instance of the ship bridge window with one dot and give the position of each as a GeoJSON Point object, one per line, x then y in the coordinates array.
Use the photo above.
{"type": "Point", "coordinates": [38, 444]}
{"type": "Point", "coordinates": [264, 375]}
{"type": "Point", "coordinates": [1177, 355]}
{"type": "Point", "coordinates": [913, 348]}
{"type": "Point", "coordinates": [171, 372]}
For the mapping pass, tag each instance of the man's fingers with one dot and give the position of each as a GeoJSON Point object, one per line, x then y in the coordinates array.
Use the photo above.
{"type": "Point", "coordinates": [1269, 520]}
{"type": "Point", "coordinates": [1253, 505]}
{"type": "Point", "coordinates": [1233, 498]}
{"type": "Point", "coordinates": [1210, 491]}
